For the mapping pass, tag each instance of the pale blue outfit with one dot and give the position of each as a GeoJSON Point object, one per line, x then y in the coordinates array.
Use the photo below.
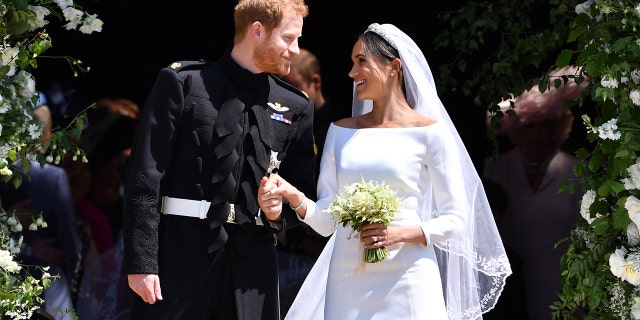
{"type": "Point", "coordinates": [50, 194]}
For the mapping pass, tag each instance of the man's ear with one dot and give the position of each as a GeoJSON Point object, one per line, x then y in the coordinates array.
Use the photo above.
{"type": "Point", "coordinates": [316, 81]}
{"type": "Point", "coordinates": [257, 30]}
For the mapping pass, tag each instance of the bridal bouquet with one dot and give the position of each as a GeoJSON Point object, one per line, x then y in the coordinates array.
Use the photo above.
{"type": "Point", "coordinates": [364, 203]}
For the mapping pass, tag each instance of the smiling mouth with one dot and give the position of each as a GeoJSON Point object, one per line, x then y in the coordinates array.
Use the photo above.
{"type": "Point", "coordinates": [360, 82]}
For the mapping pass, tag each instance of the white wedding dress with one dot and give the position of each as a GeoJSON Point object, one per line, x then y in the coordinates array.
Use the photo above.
{"type": "Point", "coordinates": [422, 164]}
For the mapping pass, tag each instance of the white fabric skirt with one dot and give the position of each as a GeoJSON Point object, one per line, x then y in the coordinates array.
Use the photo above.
{"type": "Point", "coordinates": [405, 286]}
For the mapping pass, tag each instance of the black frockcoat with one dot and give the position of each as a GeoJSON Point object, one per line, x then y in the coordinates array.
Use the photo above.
{"type": "Point", "coordinates": [205, 133]}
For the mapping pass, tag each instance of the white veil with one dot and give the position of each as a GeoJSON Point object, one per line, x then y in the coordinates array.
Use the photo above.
{"type": "Point", "coordinates": [473, 265]}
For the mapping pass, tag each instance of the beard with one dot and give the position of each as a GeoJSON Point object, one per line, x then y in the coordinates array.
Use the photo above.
{"type": "Point", "coordinates": [268, 59]}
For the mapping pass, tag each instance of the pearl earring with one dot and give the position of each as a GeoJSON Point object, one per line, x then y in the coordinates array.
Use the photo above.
{"type": "Point", "coordinates": [393, 73]}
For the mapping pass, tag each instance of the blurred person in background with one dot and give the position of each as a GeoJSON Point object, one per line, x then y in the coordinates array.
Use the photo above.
{"type": "Point", "coordinates": [302, 243]}
{"type": "Point", "coordinates": [47, 191]}
{"type": "Point", "coordinates": [103, 292]}
{"type": "Point", "coordinates": [538, 216]}
{"type": "Point", "coordinates": [306, 75]}
{"type": "Point", "coordinates": [107, 141]}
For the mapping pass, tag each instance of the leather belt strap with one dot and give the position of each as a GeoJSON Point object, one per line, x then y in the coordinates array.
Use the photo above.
{"type": "Point", "coordinates": [195, 209]}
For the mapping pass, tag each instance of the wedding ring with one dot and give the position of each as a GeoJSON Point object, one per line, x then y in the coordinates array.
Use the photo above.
{"type": "Point", "coordinates": [375, 239]}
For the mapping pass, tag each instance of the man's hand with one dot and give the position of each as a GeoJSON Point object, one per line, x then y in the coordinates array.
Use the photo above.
{"type": "Point", "coordinates": [270, 202]}
{"type": "Point", "coordinates": [147, 286]}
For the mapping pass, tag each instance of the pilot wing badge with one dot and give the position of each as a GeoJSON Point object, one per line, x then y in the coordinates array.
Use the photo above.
{"type": "Point", "coordinates": [277, 107]}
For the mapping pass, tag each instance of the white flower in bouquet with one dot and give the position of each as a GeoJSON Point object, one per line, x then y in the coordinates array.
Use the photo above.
{"type": "Point", "coordinates": [365, 203]}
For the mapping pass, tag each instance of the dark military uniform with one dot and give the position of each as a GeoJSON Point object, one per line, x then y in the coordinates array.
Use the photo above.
{"type": "Point", "coordinates": [206, 133]}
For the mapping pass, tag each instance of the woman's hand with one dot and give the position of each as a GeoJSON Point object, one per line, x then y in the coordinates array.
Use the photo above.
{"type": "Point", "coordinates": [273, 191]}
{"type": "Point", "coordinates": [377, 235]}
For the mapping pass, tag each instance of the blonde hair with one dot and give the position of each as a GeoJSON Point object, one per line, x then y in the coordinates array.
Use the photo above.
{"type": "Point", "coordinates": [269, 12]}
{"type": "Point", "coordinates": [307, 64]}
{"type": "Point", "coordinates": [122, 106]}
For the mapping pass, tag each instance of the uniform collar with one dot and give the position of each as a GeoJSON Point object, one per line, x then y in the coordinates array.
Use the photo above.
{"type": "Point", "coordinates": [240, 76]}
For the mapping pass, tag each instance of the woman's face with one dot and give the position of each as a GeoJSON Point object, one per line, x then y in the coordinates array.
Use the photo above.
{"type": "Point", "coordinates": [537, 139]}
{"type": "Point", "coordinates": [369, 75]}
{"type": "Point", "coordinates": [109, 176]}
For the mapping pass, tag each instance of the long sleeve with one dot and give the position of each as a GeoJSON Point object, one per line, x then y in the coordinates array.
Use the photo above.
{"type": "Point", "coordinates": [444, 170]}
{"type": "Point", "coordinates": [150, 159]}
{"type": "Point", "coordinates": [318, 217]}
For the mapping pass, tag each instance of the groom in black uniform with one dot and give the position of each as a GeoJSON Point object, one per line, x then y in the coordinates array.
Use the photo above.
{"type": "Point", "coordinates": [196, 244]}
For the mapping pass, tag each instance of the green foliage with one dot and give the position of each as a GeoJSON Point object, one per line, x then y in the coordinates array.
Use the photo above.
{"type": "Point", "coordinates": [24, 41]}
{"type": "Point", "coordinates": [500, 45]}
{"type": "Point", "coordinates": [501, 48]}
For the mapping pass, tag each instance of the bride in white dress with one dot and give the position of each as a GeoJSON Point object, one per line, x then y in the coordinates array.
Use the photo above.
{"type": "Point", "coordinates": [446, 258]}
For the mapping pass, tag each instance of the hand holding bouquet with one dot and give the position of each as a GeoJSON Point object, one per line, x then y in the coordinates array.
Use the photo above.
{"type": "Point", "coordinates": [364, 203]}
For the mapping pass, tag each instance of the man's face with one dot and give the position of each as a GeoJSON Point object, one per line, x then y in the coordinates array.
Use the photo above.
{"type": "Point", "coordinates": [275, 52]}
